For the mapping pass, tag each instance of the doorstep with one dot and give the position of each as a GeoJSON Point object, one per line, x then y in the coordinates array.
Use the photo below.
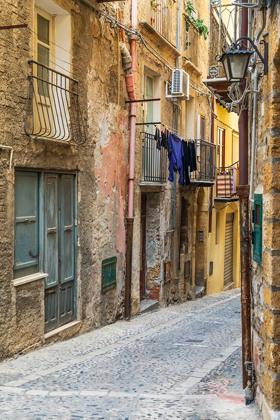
{"type": "Point", "coordinates": [148, 305]}
{"type": "Point", "coordinates": [199, 291]}
{"type": "Point", "coordinates": [63, 332]}
{"type": "Point", "coordinates": [230, 286]}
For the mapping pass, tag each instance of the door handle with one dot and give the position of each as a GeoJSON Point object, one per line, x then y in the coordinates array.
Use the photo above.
{"type": "Point", "coordinates": [52, 231]}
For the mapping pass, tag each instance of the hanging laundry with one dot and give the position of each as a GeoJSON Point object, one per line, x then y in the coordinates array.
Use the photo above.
{"type": "Point", "coordinates": [175, 155]}
{"type": "Point", "coordinates": [157, 139]}
{"type": "Point", "coordinates": [186, 164]}
{"type": "Point", "coordinates": [164, 140]}
{"type": "Point", "coordinates": [192, 156]}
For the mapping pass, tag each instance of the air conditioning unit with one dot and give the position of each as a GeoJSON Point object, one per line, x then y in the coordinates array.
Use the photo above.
{"type": "Point", "coordinates": [180, 84]}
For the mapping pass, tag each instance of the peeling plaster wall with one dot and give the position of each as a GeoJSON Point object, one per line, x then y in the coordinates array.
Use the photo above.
{"type": "Point", "coordinates": [101, 167]}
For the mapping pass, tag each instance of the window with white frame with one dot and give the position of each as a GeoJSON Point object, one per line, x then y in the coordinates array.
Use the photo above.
{"type": "Point", "coordinates": [221, 147]}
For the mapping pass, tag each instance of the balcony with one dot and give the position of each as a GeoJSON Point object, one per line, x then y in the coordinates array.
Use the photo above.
{"type": "Point", "coordinates": [53, 111]}
{"type": "Point", "coordinates": [154, 161]}
{"type": "Point", "coordinates": [227, 180]}
{"type": "Point", "coordinates": [204, 176]}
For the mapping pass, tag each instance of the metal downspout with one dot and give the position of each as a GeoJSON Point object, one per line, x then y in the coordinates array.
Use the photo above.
{"type": "Point", "coordinates": [176, 117]}
{"type": "Point", "coordinates": [243, 193]}
{"type": "Point", "coordinates": [255, 101]}
{"type": "Point", "coordinates": [132, 134]}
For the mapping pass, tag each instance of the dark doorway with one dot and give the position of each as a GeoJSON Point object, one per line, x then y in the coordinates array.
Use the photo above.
{"type": "Point", "coordinates": [143, 248]}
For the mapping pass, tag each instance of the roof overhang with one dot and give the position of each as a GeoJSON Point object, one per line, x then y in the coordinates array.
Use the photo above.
{"type": "Point", "coordinates": [219, 87]}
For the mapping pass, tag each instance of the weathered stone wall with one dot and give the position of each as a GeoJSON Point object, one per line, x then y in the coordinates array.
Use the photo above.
{"type": "Point", "coordinates": [101, 167]}
{"type": "Point", "coordinates": [265, 278]}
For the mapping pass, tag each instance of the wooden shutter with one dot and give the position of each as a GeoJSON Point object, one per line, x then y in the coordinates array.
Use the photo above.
{"type": "Point", "coordinates": [228, 261]}
{"type": "Point", "coordinates": [67, 229]}
{"type": "Point", "coordinates": [257, 247]}
{"type": "Point", "coordinates": [149, 94]}
{"type": "Point", "coordinates": [26, 220]}
{"type": "Point", "coordinates": [51, 229]}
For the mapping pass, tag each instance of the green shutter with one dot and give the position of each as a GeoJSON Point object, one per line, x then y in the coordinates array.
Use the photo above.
{"type": "Point", "coordinates": [67, 228]}
{"type": "Point", "coordinates": [51, 229]}
{"type": "Point", "coordinates": [258, 210]}
{"type": "Point", "coordinates": [26, 222]}
{"type": "Point", "coordinates": [109, 274]}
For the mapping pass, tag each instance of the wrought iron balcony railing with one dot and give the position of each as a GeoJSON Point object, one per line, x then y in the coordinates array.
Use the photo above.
{"type": "Point", "coordinates": [154, 161]}
{"type": "Point", "coordinates": [206, 160]}
{"type": "Point", "coordinates": [227, 181]}
{"type": "Point", "coordinates": [53, 110]}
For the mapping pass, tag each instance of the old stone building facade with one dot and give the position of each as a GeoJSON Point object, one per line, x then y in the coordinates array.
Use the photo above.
{"type": "Point", "coordinates": [260, 21]}
{"type": "Point", "coordinates": [64, 153]}
{"type": "Point", "coordinates": [264, 161]}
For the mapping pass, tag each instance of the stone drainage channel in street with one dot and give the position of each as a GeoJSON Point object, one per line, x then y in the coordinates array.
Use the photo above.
{"type": "Point", "coordinates": [180, 362]}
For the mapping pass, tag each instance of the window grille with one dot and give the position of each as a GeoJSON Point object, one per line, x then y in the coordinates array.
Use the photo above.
{"type": "Point", "coordinates": [53, 110]}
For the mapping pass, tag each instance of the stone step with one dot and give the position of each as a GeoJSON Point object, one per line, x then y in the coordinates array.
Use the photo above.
{"type": "Point", "coordinates": [148, 305]}
{"type": "Point", "coordinates": [199, 291]}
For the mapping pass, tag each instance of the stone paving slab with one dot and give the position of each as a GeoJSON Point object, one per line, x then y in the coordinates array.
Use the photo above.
{"type": "Point", "coordinates": [176, 363]}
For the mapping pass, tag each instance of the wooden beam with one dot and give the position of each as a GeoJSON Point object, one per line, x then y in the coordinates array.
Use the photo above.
{"type": "Point", "coordinates": [24, 25]}
{"type": "Point", "coordinates": [142, 100]}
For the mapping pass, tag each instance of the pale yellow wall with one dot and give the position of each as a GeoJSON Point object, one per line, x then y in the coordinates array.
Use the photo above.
{"type": "Point", "coordinates": [228, 121]}
{"type": "Point", "coordinates": [215, 282]}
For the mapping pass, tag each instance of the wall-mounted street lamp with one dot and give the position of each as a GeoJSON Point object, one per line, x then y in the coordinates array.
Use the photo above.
{"type": "Point", "coordinates": [236, 60]}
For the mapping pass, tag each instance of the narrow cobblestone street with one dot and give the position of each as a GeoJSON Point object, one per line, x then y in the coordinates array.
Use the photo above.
{"type": "Point", "coordinates": [181, 362]}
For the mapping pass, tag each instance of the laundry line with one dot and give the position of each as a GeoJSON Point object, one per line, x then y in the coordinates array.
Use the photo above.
{"type": "Point", "coordinates": [170, 129]}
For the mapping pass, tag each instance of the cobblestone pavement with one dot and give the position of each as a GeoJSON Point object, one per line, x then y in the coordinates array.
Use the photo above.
{"type": "Point", "coordinates": [181, 362]}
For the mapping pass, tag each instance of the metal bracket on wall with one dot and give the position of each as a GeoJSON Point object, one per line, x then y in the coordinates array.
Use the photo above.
{"type": "Point", "coordinates": [10, 149]}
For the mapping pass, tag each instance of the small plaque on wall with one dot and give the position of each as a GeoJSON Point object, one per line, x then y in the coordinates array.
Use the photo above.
{"type": "Point", "coordinates": [167, 271]}
{"type": "Point", "coordinates": [200, 236]}
{"type": "Point", "coordinates": [187, 269]}
{"type": "Point", "coordinates": [109, 274]}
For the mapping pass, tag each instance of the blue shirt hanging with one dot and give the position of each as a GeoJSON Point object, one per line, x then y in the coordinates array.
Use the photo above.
{"type": "Point", "coordinates": [176, 154]}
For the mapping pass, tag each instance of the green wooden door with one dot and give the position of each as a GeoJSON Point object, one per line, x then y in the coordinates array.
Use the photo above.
{"type": "Point", "coordinates": [59, 249]}
{"type": "Point", "coordinates": [258, 217]}
{"type": "Point", "coordinates": [26, 224]}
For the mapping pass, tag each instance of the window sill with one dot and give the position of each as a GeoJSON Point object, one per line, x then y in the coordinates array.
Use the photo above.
{"type": "Point", "coordinates": [29, 279]}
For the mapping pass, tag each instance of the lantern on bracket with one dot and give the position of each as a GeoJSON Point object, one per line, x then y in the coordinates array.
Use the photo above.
{"type": "Point", "coordinates": [236, 59]}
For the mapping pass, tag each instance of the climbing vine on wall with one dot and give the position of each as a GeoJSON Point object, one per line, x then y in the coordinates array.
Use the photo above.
{"type": "Point", "coordinates": [197, 23]}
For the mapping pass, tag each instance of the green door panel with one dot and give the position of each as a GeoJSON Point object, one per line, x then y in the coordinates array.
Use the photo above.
{"type": "Point", "coordinates": [26, 220]}
{"type": "Point", "coordinates": [258, 216]}
{"type": "Point", "coordinates": [51, 256]}
{"type": "Point", "coordinates": [67, 228]}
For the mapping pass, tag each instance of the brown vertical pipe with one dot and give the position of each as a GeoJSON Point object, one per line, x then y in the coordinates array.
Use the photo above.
{"type": "Point", "coordinates": [212, 141]}
{"type": "Point", "coordinates": [132, 136]}
{"type": "Point", "coordinates": [243, 146]}
{"type": "Point", "coordinates": [127, 308]}
{"type": "Point", "coordinates": [243, 193]}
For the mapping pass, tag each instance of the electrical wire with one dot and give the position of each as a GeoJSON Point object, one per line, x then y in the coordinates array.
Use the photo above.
{"type": "Point", "coordinates": [128, 30]}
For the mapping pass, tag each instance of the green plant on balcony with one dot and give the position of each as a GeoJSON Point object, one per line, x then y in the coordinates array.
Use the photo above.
{"type": "Point", "coordinates": [196, 23]}
{"type": "Point", "coordinates": [154, 5]}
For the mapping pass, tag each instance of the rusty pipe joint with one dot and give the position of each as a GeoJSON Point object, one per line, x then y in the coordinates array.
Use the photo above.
{"type": "Point", "coordinates": [249, 390]}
